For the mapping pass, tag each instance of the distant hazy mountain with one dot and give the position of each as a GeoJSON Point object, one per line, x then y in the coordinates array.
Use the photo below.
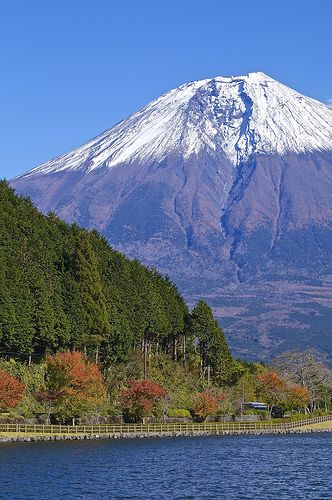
{"type": "Point", "coordinates": [225, 184]}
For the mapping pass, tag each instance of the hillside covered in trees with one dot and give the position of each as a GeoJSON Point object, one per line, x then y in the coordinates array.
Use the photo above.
{"type": "Point", "coordinates": [64, 288]}
{"type": "Point", "coordinates": [87, 333]}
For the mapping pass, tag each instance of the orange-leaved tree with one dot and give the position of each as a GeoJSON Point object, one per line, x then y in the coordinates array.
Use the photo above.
{"type": "Point", "coordinates": [297, 397]}
{"type": "Point", "coordinates": [141, 399]}
{"type": "Point", "coordinates": [11, 390]}
{"type": "Point", "coordinates": [78, 383]}
{"type": "Point", "coordinates": [206, 404]}
{"type": "Point", "coordinates": [272, 388]}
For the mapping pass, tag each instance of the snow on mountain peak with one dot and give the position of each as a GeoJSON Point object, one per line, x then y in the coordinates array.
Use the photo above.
{"type": "Point", "coordinates": [238, 116]}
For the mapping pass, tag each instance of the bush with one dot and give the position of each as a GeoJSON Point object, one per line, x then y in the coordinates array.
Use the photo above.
{"type": "Point", "coordinates": [11, 390]}
{"type": "Point", "coordinates": [75, 386]}
{"type": "Point", "coordinates": [205, 405]}
{"type": "Point", "coordinates": [33, 377]}
{"type": "Point", "coordinates": [227, 408]}
{"type": "Point", "coordinates": [143, 398]}
{"type": "Point", "coordinates": [260, 413]}
{"type": "Point", "coordinates": [29, 407]}
{"type": "Point", "coordinates": [291, 417]}
{"type": "Point", "coordinates": [178, 413]}
{"type": "Point", "coordinates": [12, 418]}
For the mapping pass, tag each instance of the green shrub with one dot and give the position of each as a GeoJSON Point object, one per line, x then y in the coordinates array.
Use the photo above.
{"type": "Point", "coordinates": [301, 416]}
{"type": "Point", "coordinates": [178, 413]}
{"type": "Point", "coordinates": [227, 408]}
{"type": "Point", "coordinates": [260, 413]}
{"type": "Point", "coordinates": [29, 407]}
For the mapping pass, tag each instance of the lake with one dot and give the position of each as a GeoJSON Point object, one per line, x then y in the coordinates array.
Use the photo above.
{"type": "Point", "coordinates": [226, 467]}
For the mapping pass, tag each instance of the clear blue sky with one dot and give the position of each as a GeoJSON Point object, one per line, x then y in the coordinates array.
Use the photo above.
{"type": "Point", "coordinates": [71, 69]}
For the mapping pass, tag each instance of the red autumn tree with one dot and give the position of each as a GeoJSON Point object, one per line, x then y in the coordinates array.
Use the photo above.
{"type": "Point", "coordinates": [77, 382]}
{"type": "Point", "coordinates": [272, 388]}
{"type": "Point", "coordinates": [73, 370]}
{"type": "Point", "coordinates": [141, 399]}
{"type": "Point", "coordinates": [11, 390]}
{"type": "Point", "coordinates": [206, 404]}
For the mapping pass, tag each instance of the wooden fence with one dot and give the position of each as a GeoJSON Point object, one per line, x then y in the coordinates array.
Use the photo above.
{"type": "Point", "coordinates": [160, 428]}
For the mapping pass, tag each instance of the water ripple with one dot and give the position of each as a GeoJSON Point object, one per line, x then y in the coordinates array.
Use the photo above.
{"type": "Point", "coordinates": [229, 467]}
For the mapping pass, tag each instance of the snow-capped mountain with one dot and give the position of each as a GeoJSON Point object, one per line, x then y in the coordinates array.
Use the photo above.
{"type": "Point", "coordinates": [226, 185]}
{"type": "Point", "coordinates": [236, 115]}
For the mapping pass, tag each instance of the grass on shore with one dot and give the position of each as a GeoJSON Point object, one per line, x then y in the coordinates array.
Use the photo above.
{"type": "Point", "coordinates": [32, 434]}
{"type": "Point", "coordinates": [320, 425]}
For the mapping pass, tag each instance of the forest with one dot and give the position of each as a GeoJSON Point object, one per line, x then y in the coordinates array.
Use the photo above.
{"type": "Point", "coordinates": [62, 287]}
{"type": "Point", "coordinates": [87, 333]}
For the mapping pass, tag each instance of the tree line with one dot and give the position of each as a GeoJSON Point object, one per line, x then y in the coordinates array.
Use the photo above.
{"type": "Point", "coordinates": [67, 387]}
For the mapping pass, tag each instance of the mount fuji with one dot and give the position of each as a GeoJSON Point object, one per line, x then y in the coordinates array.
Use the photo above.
{"type": "Point", "coordinates": [226, 185]}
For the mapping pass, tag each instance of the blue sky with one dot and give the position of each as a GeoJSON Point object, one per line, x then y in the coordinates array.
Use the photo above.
{"type": "Point", "coordinates": [71, 69]}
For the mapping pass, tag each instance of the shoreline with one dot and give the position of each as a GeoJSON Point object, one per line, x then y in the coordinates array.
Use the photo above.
{"type": "Point", "coordinates": [146, 435]}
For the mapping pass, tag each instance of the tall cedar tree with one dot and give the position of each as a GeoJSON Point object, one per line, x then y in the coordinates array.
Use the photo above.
{"type": "Point", "coordinates": [214, 351]}
{"type": "Point", "coordinates": [91, 292]}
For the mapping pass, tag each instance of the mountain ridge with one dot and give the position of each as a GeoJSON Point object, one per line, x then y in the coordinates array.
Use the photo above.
{"type": "Point", "coordinates": [228, 103]}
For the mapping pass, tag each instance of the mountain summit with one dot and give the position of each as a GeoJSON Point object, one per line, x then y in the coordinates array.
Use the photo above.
{"type": "Point", "coordinates": [225, 184]}
{"type": "Point", "coordinates": [238, 116]}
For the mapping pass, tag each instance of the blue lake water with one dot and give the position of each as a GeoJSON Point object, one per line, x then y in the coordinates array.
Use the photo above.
{"type": "Point", "coordinates": [226, 467]}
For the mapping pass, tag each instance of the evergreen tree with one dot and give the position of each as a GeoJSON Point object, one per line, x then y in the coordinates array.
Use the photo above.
{"type": "Point", "coordinates": [91, 293]}
{"type": "Point", "coordinates": [177, 312]}
{"type": "Point", "coordinates": [215, 357]}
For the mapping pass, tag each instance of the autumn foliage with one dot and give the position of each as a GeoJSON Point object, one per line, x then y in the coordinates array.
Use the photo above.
{"type": "Point", "coordinates": [271, 387]}
{"type": "Point", "coordinates": [276, 391]}
{"type": "Point", "coordinates": [297, 397]}
{"type": "Point", "coordinates": [141, 399]}
{"type": "Point", "coordinates": [206, 404]}
{"type": "Point", "coordinates": [77, 383]}
{"type": "Point", "coordinates": [11, 390]}
{"type": "Point", "coordinates": [71, 370]}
